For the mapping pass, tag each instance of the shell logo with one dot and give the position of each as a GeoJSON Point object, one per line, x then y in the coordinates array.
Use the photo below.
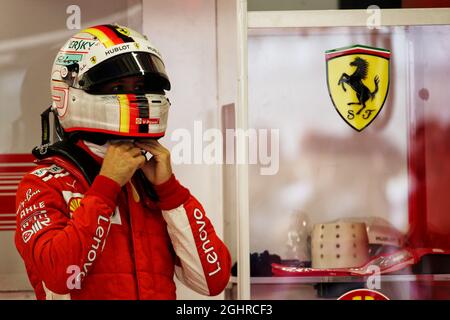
{"type": "Point", "coordinates": [363, 294]}
{"type": "Point", "coordinates": [74, 204]}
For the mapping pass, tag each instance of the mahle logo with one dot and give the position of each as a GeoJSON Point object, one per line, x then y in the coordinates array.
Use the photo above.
{"type": "Point", "coordinates": [358, 82]}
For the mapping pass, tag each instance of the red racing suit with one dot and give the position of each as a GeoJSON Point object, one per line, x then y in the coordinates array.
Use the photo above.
{"type": "Point", "coordinates": [106, 242]}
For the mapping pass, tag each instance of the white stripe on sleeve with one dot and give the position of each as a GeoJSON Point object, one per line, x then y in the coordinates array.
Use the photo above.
{"type": "Point", "coordinates": [180, 232]}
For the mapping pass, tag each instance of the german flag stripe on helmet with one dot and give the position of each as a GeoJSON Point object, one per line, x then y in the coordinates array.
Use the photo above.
{"type": "Point", "coordinates": [108, 35]}
{"type": "Point", "coordinates": [101, 36]}
{"type": "Point", "coordinates": [124, 105]}
{"type": "Point", "coordinates": [130, 111]}
{"type": "Point", "coordinates": [144, 113]}
{"type": "Point", "coordinates": [121, 33]}
{"type": "Point", "coordinates": [134, 113]}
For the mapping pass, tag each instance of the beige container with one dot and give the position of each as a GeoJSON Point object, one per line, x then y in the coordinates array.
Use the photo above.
{"type": "Point", "coordinates": [339, 245]}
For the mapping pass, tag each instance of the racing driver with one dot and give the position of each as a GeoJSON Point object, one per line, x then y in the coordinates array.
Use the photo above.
{"type": "Point", "coordinates": [102, 216]}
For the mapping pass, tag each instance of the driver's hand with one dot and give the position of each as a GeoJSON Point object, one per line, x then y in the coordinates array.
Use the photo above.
{"type": "Point", "coordinates": [158, 170]}
{"type": "Point", "coordinates": [121, 162]}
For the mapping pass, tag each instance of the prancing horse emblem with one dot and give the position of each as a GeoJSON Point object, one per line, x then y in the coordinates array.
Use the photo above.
{"type": "Point", "coordinates": [366, 71]}
{"type": "Point", "coordinates": [355, 82]}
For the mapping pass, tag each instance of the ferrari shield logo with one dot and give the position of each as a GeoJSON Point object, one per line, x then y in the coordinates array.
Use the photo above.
{"type": "Point", "coordinates": [358, 82]}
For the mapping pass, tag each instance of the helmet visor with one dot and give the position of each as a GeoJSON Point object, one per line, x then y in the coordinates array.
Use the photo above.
{"type": "Point", "coordinates": [143, 64]}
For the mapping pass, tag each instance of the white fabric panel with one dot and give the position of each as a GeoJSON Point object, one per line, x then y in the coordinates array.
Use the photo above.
{"type": "Point", "coordinates": [180, 232]}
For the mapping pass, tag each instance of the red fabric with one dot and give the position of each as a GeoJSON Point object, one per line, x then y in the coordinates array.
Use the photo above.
{"type": "Point", "coordinates": [106, 189]}
{"type": "Point", "coordinates": [425, 3]}
{"type": "Point", "coordinates": [127, 258]}
{"type": "Point", "coordinates": [171, 194]}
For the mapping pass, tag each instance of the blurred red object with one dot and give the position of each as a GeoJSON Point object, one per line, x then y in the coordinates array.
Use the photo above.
{"type": "Point", "coordinates": [429, 198]}
{"type": "Point", "coordinates": [425, 3]}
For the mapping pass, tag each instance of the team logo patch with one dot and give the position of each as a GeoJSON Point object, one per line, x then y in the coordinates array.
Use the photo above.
{"type": "Point", "coordinates": [358, 82]}
{"type": "Point", "coordinates": [93, 60]}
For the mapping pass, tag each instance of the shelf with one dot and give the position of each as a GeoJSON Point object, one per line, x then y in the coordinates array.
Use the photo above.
{"type": "Point", "coordinates": [314, 280]}
{"type": "Point", "coordinates": [346, 18]}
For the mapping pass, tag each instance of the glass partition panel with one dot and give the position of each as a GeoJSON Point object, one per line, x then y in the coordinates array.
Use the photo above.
{"type": "Point", "coordinates": [391, 177]}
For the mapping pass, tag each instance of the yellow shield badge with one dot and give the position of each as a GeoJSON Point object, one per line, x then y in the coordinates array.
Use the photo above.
{"type": "Point", "coordinates": [358, 82]}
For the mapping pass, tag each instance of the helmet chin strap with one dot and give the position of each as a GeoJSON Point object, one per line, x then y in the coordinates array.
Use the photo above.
{"type": "Point", "coordinates": [45, 126]}
{"type": "Point", "coordinates": [45, 130]}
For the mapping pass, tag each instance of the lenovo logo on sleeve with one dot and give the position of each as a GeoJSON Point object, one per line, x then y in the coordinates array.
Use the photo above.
{"type": "Point", "coordinates": [211, 255]}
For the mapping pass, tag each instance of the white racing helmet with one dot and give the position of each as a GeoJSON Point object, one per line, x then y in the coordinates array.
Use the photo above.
{"type": "Point", "coordinates": [100, 55]}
